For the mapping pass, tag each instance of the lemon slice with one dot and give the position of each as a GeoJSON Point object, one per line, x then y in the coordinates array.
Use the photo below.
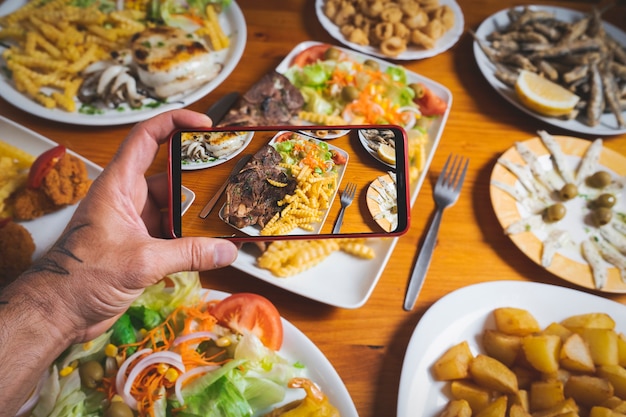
{"type": "Point", "coordinates": [544, 96]}
{"type": "Point", "coordinates": [387, 154]}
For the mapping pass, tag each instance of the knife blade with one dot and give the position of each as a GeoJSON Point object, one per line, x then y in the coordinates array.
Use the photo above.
{"type": "Point", "coordinates": [211, 203]}
{"type": "Point", "coordinates": [219, 109]}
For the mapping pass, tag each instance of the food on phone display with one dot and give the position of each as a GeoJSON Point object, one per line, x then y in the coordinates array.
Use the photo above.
{"type": "Point", "coordinates": [286, 258]}
{"type": "Point", "coordinates": [392, 27]}
{"type": "Point", "coordinates": [56, 179]}
{"type": "Point", "coordinates": [382, 201]}
{"type": "Point", "coordinates": [381, 142]}
{"type": "Point", "coordinates": [251, 198]}
{"type": "Point", "coordinates": [549, 194]}
{"type": "Point", "coordinates": [272, 101]}
{"type": "Point", "coordinates": [16, 250]}
{"type": "Point", "coordinates": [101, 55]}
{"type": "Point", "coordinates": [172, 351]}
{"type": "Point", "coordinates": [209, 146]}
{"type": "Point", "coordinates": [571, 367]}
{"type": "Point", "coordinates": [578, 55]}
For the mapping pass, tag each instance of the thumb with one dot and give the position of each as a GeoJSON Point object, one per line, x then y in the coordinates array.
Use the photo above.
{"type": "Point", "coordinates": [193, 254]}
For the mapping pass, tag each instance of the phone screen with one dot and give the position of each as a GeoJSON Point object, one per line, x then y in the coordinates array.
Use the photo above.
{"type": "Point", "coordinates": [289, 182]}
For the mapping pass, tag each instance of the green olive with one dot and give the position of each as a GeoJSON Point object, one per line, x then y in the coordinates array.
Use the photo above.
{"type": "Point", "coordinates": [602, 216]}
{"type": "Point", "coordinates": [605, 200]}
{"type": "Point", "coordinates": [418, 89]}
{"type": "Point", "coordinates": [568, 191]}
{"type": "Point", "coordinates": [599, 179]}
{"type": "Point", "coordinates": [91, 373]}
{"type": "Point", "coordinates": [349, 93]}
{"type": "Point", "coordinates": [332, 53]}
{"type": "Point", "coordinates": [555, 212]}
{"type": "Point", "coordinates": [118, 409]}
{"type": "Point", "coordinates": [371, 64]}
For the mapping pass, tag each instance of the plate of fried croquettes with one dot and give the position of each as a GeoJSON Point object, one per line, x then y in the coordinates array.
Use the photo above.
{"type": "Point", "coordinates": [35, 209]}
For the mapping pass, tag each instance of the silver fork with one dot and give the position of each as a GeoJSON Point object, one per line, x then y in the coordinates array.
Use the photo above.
{"type": "Point", "coordinates": [346, 199]}
{"type": "Point", "coordinates": [446, 193]}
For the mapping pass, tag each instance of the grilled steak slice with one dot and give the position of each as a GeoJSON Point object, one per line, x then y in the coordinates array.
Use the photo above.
{"type": "Point", "coordinates": [273, 100]}
{"type": "Point", "coordinates": [250, 198]}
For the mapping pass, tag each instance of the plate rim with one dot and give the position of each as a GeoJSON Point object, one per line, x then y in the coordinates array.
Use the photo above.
{"type": "Point", "coordinates": [10, 94]}
{"type": "Point", "coordinates": [450, 38]}
{"type": "Point", "coordinates": [487, 69]}
{"type": "Point", "coordinates": [471, 305]}
{"type": "Point", "coordinates": [525, 240]}
{"type": "Point", "coordinates": [249, 135]}
{"type": "Point", "coordinates": [356, 294]}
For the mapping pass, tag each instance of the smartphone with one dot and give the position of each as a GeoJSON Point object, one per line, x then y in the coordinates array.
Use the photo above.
{"type": "Point", "coordinates": [289, 182]}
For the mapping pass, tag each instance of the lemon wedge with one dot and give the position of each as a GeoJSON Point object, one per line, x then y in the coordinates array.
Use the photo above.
{"type": "Point", "coordinates": [544, 96]}
{"type": "Point", "coordinates": [387, 154]}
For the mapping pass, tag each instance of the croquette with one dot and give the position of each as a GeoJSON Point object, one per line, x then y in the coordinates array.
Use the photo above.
{"type": "Point", "coordinates": [16, 251]}
{"type": "Point", "coordinates": [65, 184]}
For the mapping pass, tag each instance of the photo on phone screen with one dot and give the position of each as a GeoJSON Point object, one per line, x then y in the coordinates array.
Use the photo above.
{"type": "Point", "coordinates": [289, 182]}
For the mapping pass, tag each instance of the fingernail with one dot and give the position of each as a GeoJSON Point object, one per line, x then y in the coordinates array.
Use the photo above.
{"type": "Point", "coordinates": [224, 254]}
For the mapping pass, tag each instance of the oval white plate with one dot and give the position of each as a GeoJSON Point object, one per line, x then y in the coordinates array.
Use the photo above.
{"type": "Point", "coordinates": [568, 263]}
{"type": "Point", "coordinates": [464, 314]}
{"type": "Point", "coordinates": [46, 229]}
{"type": "Point", "coordinates": [607, 125]}
{"type": "Point", "coordinates": [298, 347]}
{"type": "Point", "coordinates": [191, 166]}
{"type": "Point", "coordinates": [234, 26]}
{"type": "Point", "coordinates": [412, 53]}
{"type": "Point", "coordinates": [372, 151]}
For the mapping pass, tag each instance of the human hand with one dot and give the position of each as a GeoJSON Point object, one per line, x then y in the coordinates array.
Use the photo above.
{"type": "Point", "coordinates": [112, 248]}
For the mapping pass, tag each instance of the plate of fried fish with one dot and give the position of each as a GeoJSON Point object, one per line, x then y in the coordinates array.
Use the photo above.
{"type": "Point", "coordinates": [106, 83]}
{"type": "Point", "coordinates": [577, 50]}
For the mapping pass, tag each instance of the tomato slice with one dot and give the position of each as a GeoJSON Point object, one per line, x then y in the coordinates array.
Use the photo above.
{"type": "Point", "coordinates": [43, 164]}
{"type": "Point", "coordinates": [430, 104]}
{"type": "Point", "coordinates": [310, 55]}
{"type": "Point", "coordinates": [251, 312]}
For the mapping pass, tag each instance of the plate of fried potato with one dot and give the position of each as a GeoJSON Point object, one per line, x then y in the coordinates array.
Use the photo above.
{"type": "Point", "coordinates": [48, 78]}
{"type": "Point", "coordinates": [421, 29]}
{"type": "Point", "coordinates": [554, 329]}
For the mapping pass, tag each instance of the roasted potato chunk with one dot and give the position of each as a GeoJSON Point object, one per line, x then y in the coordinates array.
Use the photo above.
{"type": "Point", "coordinates": [457, 408]}
{"type": "Point", "coordinates": [545, 394]}
{"type": "Point", "coordinates": [616, 375]}
{"type": "Point", "coordinates": [497, 408]}
{"type": "Point", "coordinates": [602, 345]}
{"type": "Point", "coordinates": [589, 321]}
{"type": "Point", "coordinates": [454, 363]}
{"type": "Point", "coordinates": [515, 321]}
{"type": "Point", "coordinates": [588, 390]}
{"type": "Point", "coordinates": [542, 352]}
{"type": "Point", "coordinates": [477, 397]}
{"type": "Point", "coordinates": [493, 374]}
{"type": "Point", "coordinates": [501, 346]}
{"type": "Point", "coordinates": [575, 355]}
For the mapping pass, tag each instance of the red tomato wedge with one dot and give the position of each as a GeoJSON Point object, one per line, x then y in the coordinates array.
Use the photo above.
{"type": "Point", "coordinates": [310, 55]}
{"type": "Point", "coordinates": [430, 104]}
{"type": "Point", "coordinates": [43, 164]}
{"type": "Point", "coordinates": [251, 312]}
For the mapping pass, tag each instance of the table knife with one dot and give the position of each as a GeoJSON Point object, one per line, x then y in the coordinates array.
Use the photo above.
{"type": "Point", "coordinates": [220, 108]}
{"type": "Point", "coordinates": [209, 206]}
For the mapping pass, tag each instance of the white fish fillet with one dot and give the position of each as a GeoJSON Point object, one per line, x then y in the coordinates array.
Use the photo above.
{"type": "Point", "coordinates": [525, 225]}
{"type": "Point", "coordinates": [611, 255]}
{"type": "Point", "coordinates": [557, 155]}
{"type": "Point", "coordinates": [529, 204]}
{"type": "Point", "coordinates": [525, 177]}
{"type": "Point", "coordinates": [549, 182]}
{"type": "Point", "coordinates": [589, 161]}
{"type": "Point", "coordinates": [555, 240]}
{"type": "Point", "coordinates": [598, 268]}
{"type": "Point", "coordinates": [613, 237]}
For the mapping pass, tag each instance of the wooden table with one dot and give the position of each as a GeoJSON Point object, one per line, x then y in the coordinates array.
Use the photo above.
{"type": "Point", "coordinates": [367, 345]}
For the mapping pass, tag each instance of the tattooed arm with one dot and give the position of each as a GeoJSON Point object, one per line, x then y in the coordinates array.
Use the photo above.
{"type": "Point", "coordinates": [110, 251]}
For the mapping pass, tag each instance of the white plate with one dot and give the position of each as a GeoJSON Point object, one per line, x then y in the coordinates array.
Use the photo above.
{"type": "Point", "coordinates": [464, 314]}
{"type": "Point", "coordinates": [412, 52]}
{"type": "Point", "coordinates": [371, 151]}
{"type": "Point", "coordinates": [358, 277]}
{"type": "Point", "coordinates": [191, 166]}
{"type": "Point", "coordinates": [568, 263]}
{"type": "Point", "coordinates": [233, 24]}
{"type": "Point", "coordinates": [187, 200]}
{"type": "Point", "coordinates": [46, 229]}
{"type": "Point", "coordinates": [296, 346]}
{"type": "Point", "coordinates": [607, 125]}
{"type": "Point", "coordinates": [341, 169]}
